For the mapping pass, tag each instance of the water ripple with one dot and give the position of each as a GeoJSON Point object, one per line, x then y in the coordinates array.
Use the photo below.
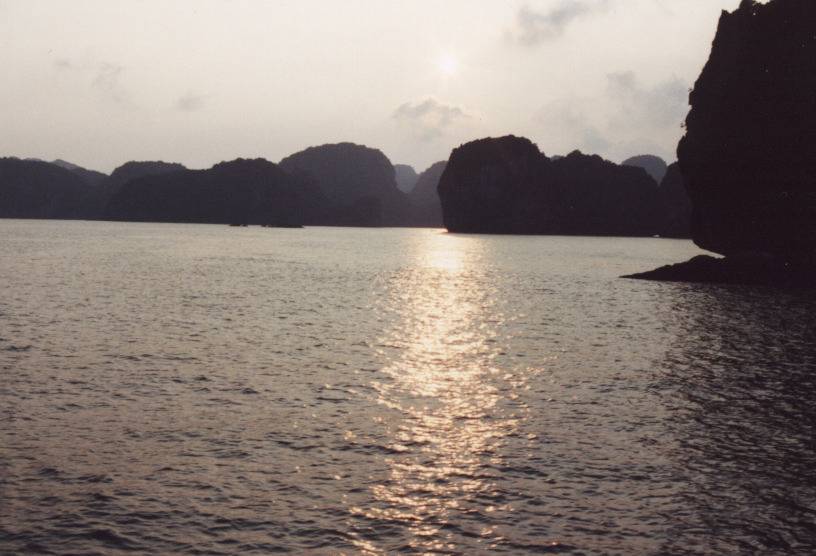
{"type": "Point", "coordinates": [329, 391]}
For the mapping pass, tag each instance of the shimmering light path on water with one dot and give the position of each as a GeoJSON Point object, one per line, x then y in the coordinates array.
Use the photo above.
{"type": "Point", "coordinates": [206, 389]}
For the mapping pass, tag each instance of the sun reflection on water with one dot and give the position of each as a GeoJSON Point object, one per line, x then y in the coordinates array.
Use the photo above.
{"type": "Point", "coordinates": [443, 386]}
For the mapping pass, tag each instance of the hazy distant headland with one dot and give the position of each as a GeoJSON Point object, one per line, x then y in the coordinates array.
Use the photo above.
{"type": "Point", "coordinates": [426, 209]}
{"type": "Point", "coordinates": [406, 177]}
{"type": "Point", "coordinates": [654, 165]}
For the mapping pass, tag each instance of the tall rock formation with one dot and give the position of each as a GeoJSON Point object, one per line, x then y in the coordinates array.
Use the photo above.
{"type": "Point", "coordinates": [507, 185]}
{"type": "Point", "coordinates": [237, 192]}
{"type": "Point", "coordinates": [357, 182]}
{"type": "Point", "coordinates": [426, 209]}
{"type": "Point", "coordinates": [749, 153]}
{"type": "Point", "coordinates": [485, 183]}
{"type": "Point", "coordinates": [654, 165]}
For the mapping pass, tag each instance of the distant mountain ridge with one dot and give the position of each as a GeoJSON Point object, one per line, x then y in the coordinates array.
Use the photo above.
{"type": "Point", "coordinates": [518, 190]}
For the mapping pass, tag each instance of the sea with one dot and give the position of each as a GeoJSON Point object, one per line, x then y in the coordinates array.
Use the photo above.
{"type": "Point", "coordinates": [204, 389]}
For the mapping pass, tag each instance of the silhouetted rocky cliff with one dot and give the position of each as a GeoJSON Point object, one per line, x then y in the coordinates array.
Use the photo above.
{"type": "Point", "coordinates": [357, 182]}
{"type": "Point", "coordinates": [426, 209]}
{"type": "Point", "coordinates": [406, 177]}
{"type": "Point", "coordinates": [654, 165]}
{"type": "Point", "coordinates": [749, 154]}
{"type": "Point", "coordinates": [238, 192]}
{"type": "Point", "coordinates": [36, 189]}
{"type": "Point", "coordinates": [507, 185]}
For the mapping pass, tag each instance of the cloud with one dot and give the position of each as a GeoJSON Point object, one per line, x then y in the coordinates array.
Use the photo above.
{"type": "Point", "coordinates": [107, 76]}
{"type": "Point", "coordinates": [535, 27]}
{"type": "Point", "coordinates": [107, 81]}
{"type": "Point", "coordinates": [104, 77]}
{"type": "Point", "coordinates": [429, 118]}
{"type": "Point", "coordinates": [658, 106]}
{"type": "Point", "coordinates": [190, 102]}
{"type": "Point", "coordinates": [572, 123]}
{"type": "Point", "coordinates": [63, 64]}
{"type": "Point", "coordinates": [627, 118]}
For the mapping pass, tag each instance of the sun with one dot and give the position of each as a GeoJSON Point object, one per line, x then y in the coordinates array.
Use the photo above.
{"type": "Point", "coordinates": [447, 64]}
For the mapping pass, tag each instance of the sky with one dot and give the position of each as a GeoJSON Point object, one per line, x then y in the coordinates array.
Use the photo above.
{"type": "Point", "coordinates": [101, 82]}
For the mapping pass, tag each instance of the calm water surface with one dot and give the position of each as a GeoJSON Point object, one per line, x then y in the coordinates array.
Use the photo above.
{"type": "Point", "coordinates": [214, 390]}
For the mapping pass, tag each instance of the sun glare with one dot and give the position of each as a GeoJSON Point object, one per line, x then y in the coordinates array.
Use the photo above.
{"type": "Point", "coordinates": [447, 64]}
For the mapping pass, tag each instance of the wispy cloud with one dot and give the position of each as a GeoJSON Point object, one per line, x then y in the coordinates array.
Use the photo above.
{"type": "Point", "coordinates": [663, 104]}
{"type": "Point", "coordinates": [533, 27]}
{"type": "Point", "coordinates": [107, 81]}
{"type": "Point", "coordinates": [102, 76]}
{"type": "Point", "coordinates": [429, 118]}
{"type": "Point", "coordinates": [190, 102]}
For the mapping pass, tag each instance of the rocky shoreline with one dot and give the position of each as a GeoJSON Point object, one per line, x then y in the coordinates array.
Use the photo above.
{"type": "Point", "coordinates": [733, 270]}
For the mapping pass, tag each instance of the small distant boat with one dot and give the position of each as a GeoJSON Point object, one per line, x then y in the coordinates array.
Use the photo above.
{"type": "Point", "coordinates": [268, 225]}
{"type": "Point", "coordinates": [282, 225]}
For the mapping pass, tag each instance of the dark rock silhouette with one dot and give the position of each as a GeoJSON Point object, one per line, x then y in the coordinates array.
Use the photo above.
{"type": "Point", "coordinates": [239, 192]}
{"type": "Point", "coordinates": [507, 185]}
{"type": "Point", "coordinates": [654, 165]}
{"type": "Point", "coordinates": [747, 156]}
{"type": "Point", "coordinates": [749, 270]}
{"type": "Point", "coordinates": [486, 185]}
{"type": "Point", "coordinates": [125, 173]}
{"type": "Point", "coordinates": [91, 177]}
{"type": "Point", "coordinates": [97, 197]}
{"type": "Point", "coordinates": [357, 184]}
{"type": "Point", "coordinates": [426, 209]}
{"type": "Point", "coordinates": [137, 169]}
{"type": "Point", "coordinates": [406, 177]}
{"type": "Point", "coordinates": [748, 153]}
{"type": "Point", "coordinates": [675, 204]}
{"type": "Point", "coordinates": [36, 189]}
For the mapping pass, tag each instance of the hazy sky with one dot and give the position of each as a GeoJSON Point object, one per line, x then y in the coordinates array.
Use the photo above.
{"type": "Point", "coordinates": [100, 82]}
